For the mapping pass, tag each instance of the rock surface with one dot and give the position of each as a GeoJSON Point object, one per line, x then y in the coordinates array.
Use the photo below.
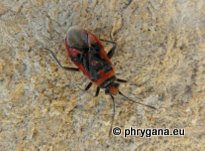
{"type": "Point", "coordinates": [160, 50]}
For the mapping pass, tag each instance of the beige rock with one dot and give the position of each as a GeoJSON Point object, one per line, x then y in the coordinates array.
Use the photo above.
{"type": "Point", "coordinates": [160, 51]}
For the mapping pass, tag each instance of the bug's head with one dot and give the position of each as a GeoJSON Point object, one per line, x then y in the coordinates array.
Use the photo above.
{"type": "Point", "coordinates": [112, 89]}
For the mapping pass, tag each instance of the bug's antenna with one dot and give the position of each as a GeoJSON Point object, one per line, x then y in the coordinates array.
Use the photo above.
{"type": "Point", "coordinates": [136, 101]}
{"type": "Point", "coordinates": [113, 114]}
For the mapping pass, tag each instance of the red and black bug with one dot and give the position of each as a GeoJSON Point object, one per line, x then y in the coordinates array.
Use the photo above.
{"type": "Point", "coordinates": [88, 54]}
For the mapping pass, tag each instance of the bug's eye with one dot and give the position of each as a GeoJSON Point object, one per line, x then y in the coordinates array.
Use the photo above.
{"type": "Point", "coordinates": [96, 47]}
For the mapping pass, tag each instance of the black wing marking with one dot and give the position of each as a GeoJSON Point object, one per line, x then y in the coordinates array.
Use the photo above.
{"type": "Point", "coordinates": [92, 61]}
{"type": "Point", "coordinates": [96, 62]}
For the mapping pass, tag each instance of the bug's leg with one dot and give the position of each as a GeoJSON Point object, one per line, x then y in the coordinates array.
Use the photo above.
{"type": "Point", "coordinates": [88, 86]}
{"type": "Point", "coordinates": [121, 80]}
{"type": "Point", "coordinates": [112, 50]}
{"type": "Point", "coordinates": [113, 114]}
{"type": "Point", "coordinates": [58, 62]}
{"type": "Point", "coordinates": [97, 91]}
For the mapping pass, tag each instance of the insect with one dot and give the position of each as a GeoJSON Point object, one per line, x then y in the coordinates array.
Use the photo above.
{"type": "Point", "coordinates": [88, 54]}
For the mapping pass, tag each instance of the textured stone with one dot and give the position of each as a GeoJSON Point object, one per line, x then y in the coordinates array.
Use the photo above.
{"type": "Point", "coordinates": [160, 50]}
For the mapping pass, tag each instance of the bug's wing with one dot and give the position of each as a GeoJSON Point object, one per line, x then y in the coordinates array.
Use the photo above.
{"type": "Point", "coordinates": [77, 38]}
{"type": "Point", "coordinates": [97, 64]}
{"type": "Point", "coordinates": [94, 75]}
